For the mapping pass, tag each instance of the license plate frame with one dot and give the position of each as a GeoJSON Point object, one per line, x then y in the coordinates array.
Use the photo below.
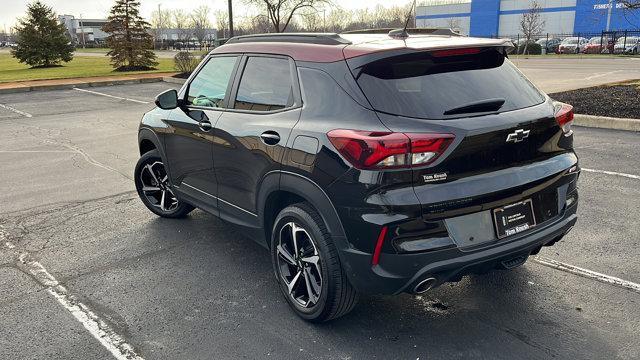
{"type": "Point", "coordinates": [514, 218]}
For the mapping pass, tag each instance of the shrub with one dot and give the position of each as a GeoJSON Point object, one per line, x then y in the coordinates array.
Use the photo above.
{"type": "Point", "coordinates": [532, 49]}
{"type": "Point", "coordinates": [185, 62]}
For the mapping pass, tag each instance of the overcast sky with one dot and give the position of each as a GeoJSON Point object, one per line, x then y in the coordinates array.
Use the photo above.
{"type": "Point", "coordinates": [11, 9]}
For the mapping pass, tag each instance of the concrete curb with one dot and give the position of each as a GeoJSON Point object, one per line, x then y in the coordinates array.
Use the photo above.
{"type": "Point", "coordinates": [604, 122]}
{"type": "Point", "coordinates": [172, 80]}
{"type": "Point", "coordinates": [81, 84]}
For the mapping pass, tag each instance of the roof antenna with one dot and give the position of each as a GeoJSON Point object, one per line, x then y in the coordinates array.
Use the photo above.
{"type": "Point", "coordinates": [402, 33]}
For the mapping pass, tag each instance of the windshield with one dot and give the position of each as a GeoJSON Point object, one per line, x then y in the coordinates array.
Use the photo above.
{"type": "Point", "coordinates": [436, 87]}
{"type": "Point", "coordinates": [570, 41]}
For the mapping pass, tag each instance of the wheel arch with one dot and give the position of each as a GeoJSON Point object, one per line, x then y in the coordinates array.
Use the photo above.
{"type": "Point", "coordinates": [280, 189]}
{"type": "Point", "coordinates": [148, 140]}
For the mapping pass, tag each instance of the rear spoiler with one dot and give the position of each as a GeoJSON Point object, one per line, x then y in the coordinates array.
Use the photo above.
{"type": "Point", "coordinates": [426, 43]}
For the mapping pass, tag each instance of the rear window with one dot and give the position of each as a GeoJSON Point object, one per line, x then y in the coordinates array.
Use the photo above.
{"type": "Point", "coordinates": [425, 86]}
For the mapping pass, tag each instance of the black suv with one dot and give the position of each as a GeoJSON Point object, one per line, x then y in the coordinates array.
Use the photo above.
{"type": "Point", "coordinates": [368, 163]}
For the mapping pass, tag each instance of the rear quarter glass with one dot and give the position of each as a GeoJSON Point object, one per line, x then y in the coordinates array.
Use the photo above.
{"type": "Point", "coordinates": [421, 85]}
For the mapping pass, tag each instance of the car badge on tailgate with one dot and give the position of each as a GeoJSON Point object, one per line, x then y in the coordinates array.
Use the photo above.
{"type": "Point", "coordinates": [518, 136]}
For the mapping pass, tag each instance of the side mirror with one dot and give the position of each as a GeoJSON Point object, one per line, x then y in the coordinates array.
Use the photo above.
{"type": "Point", "coordinates": [167, 100]}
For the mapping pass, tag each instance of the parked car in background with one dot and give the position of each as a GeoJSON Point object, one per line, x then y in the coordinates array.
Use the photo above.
{"type": "Point", "coordinates": [630, 45]}
{"type": "Point", "coordinates": [595, 45]}
{"type": "Point", "coordinates": [551, 45]}
{"type": "Point", "coordinates": [572, 45]}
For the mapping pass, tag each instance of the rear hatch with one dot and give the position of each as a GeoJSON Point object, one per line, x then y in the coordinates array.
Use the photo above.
{"type": "Point", "coordinates": [508, 144]}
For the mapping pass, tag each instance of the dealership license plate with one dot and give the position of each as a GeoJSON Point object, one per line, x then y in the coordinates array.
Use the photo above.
{"type": "Point", "coordinates": [514, 218]}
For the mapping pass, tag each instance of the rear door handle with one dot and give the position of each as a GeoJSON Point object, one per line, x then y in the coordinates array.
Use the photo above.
{"type": "Point", "coordinates": [270, 137]}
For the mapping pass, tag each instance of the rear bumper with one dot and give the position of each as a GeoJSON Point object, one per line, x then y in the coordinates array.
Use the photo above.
{"type": "Point", "coordinates": [397, 273]}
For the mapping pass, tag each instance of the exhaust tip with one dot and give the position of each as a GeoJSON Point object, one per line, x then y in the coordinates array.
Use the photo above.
{"type": "Point", "coordinates": [424, 285]}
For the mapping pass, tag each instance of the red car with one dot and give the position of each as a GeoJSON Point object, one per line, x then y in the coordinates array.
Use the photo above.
{"type": "Point", "coordinates": [595, 45]}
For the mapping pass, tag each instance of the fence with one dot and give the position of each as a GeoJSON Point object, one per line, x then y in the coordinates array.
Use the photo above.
{"type": "Point", "coordinates": [604, 42]}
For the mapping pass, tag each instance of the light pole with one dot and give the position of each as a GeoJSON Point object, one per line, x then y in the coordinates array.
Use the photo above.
{"type": "Point", "coordinates": [230, 19]}
{"type": "Point", "coordinates": [160, 26]}
{"type": "Point", "coordinates": [82, 32]}
{"type": "Point", "coordinates": [609, 11]}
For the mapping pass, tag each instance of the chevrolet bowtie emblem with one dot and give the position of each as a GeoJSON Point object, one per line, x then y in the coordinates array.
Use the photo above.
{"type": "Point", "coordinates": [518, 136]}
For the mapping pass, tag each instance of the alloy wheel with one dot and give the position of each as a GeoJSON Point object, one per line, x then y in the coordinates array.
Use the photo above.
{"type": "Point", "coordinates": [299, 264]}
{"type": "Point", "coordinates": [156, 187]}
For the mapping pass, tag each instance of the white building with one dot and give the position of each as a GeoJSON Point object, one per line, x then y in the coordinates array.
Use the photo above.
{"type": "Point", "coordinates": [89, 29]}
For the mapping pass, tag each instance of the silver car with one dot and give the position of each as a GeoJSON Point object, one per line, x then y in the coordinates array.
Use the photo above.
{"type": "Point", "coordinates": [572, 45]}
{"type": "Point", "coordinates": [629, 46]}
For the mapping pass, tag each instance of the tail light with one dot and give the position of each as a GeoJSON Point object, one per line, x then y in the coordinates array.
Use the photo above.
{"type": "Point", "coordinates": [564, 117]}
{"type": "Point", "coordinates": [385, 150]}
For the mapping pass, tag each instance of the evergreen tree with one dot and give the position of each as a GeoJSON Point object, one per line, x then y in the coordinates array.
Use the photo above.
{"type": "Point", "coordinates": [130, 42]}
{"type": "Point", "coordinates": [42, 39]}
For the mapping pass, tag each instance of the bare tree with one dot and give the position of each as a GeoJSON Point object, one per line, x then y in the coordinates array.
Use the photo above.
{"type": "Point", "coordinates": [222, 22]}
{"type": "Point", "coordinates": [281, 12]}
{"type": "Point", "coordinates": [182, 24]}
{"type": "Point", "coordinates": [160, 20]}
{"type": "Point", "coordinates": [630, 4]}
{"type": "Point", "coordinates": [311, 20]}
{"type": "Point", "coordinates": [454, 24]}
{"type": "Point", "coordinates": [339, 20]}
{"type": "Point", "coordinates": [531, 24]}
{"type": "Point", "coordinates": [200, 22]}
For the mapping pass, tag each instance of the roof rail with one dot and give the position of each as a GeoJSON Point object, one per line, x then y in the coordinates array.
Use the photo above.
{"type": "Point", "coordinates": [414, 31]}
{"type": "Point", "coordinates": [308, 38]}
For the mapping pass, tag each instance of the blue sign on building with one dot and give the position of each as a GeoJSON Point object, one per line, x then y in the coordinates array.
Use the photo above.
{"type": "Point", "coordinates": [501, 17]}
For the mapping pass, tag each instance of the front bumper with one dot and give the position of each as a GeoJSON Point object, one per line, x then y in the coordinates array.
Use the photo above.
{"type": "Point", "coordinates": [397, 273]}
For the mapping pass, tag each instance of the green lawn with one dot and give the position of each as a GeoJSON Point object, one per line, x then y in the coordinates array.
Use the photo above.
{"type": "Point", "coordinates": [80, 66]}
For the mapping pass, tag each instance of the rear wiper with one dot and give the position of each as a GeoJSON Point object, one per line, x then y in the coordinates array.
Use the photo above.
{"type": "Point", "coordinates": [476, 107]}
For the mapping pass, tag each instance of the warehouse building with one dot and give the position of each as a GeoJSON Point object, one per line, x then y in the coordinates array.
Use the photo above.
{"type": "Point", "coordinates": [84, 30]}
{"type": "Point", "coordinates": [502, 17]}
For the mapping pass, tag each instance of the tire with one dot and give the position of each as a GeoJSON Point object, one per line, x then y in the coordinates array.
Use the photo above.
{"type": "Point", "coordinates": [320, 290]}
{"type": "Point", "coordinates": [154, 188]}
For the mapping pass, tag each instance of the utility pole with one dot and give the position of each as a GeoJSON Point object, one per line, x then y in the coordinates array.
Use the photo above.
{"type": "Point", "coordinates": [82, 32]}
{"type": "Point", "coordinates": [609, 11]}
{"type": "Point", "coordinates": [230, 19]}
{"type": "Point", "coordinates": [324, 19]}
{"type": "Point", "coordinates": [415, 14]}
{"type": "Point", "coordinates": [160, 26]}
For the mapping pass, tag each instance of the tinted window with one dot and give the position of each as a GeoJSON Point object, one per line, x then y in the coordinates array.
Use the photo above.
{"type": "Point", "coordinates": [265, 85]}
{"type": "Point", "coordinates": [210, 84]}
{"type": "Point", "coordinates": [424, 86]}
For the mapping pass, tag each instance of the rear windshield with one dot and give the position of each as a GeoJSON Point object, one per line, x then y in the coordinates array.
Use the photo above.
{"type": "Point", "coordinates": [425, 86]}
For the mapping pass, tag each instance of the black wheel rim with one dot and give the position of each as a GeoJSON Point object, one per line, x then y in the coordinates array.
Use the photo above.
{"type": "Point", "coordinates": [299, 265]}
{"type": "Point", "coordinates": [156, 187]}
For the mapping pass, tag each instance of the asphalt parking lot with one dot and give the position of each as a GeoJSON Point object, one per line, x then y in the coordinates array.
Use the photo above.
{"type": "Point", "coordinates": [555, 74]}
{"type": "Point", "coordinates": [77, 248]}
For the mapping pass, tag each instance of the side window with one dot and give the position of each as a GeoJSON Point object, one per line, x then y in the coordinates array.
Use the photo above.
{"type": "Point", "coordinates": [210, 84]}
{"type": "Point", "coordinates": [265, 85]}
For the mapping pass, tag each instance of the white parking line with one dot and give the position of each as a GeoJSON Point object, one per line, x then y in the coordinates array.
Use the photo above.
{"type": "Point", "coordinates": [111, 96]}
{"type": "Point", "coordinates": [19, 112]}
{"type": "Point", "coordinates": [97, 327]}
{"type": "Point", "coordinates": [630, 176]}
{"type": "Point", "coordinates": [588, 273]}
